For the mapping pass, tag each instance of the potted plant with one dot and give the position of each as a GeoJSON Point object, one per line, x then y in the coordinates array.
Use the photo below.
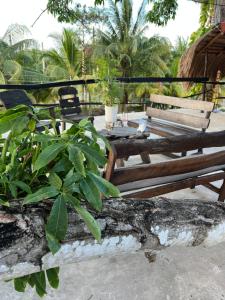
{"type": "Point", "coordinates": [108, 88]}
{"type": "Point", "coordinates": [62, 169]}
{"type": "Point", "coordinates": [111, 97]}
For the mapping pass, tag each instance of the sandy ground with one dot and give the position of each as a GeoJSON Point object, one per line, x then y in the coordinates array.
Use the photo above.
{"type": "Point", "coordinates": [195, 273]}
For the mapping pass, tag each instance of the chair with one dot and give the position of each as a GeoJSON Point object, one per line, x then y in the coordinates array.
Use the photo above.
{"type": "Point", "coordinates": [13, 98]}
{"type": "Point", "coordinates": [70, 106]}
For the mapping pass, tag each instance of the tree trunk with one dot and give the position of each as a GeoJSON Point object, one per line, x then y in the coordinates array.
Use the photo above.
{"type": "Point", "coordinates": [127, 225]}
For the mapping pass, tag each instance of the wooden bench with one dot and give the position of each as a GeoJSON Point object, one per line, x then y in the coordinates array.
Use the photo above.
{"type": "Point", "coordinates": [171, 122]}
{"type": "Point", "coordinates": [148, 180]}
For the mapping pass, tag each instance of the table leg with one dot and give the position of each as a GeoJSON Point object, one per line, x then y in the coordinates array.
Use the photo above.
{"type": "Point", "coordinates": [120, 163]}
{"type": "Point", "coordinates": [145, 158]}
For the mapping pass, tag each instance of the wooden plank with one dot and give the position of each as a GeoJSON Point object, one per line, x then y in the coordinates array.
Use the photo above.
{"type": "Point", "coordinates": [172, 187]}
{"type": "Point", "coordinates": [181, 102]}
{"type": "Point", "coordinates": [147, 183]}
{"type": "Point", "coordinates": [180, 118]}
{"type": "Point", "coordinates": [170, 144]}
{"type": "Point", "coordinates": [176, 166]}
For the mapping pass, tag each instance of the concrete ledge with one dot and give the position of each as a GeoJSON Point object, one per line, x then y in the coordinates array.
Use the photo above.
{"type": "Point", "coordinates": [127, 226]}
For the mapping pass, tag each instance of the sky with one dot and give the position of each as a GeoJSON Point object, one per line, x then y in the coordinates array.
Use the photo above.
{"type": "Point", "coordinates": [26, 11]}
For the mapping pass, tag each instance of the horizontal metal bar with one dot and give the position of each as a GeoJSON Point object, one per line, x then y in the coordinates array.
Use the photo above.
{"type": "Point", "coordinates": [91, 81]}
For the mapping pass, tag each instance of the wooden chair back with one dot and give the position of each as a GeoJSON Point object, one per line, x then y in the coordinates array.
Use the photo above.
{"type": "Point", "coordinates": [69, 101]}
{"type": "Point", "coordinates": [190, 119]}
{"type": "Point", "coordinates": [12, 98]}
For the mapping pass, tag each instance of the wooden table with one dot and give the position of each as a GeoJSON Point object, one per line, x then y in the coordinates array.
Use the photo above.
{"type": "Point", "coordinates": [126, 133]}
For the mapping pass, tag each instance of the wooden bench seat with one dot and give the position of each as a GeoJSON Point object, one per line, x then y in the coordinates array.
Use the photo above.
{"type": "Point", "coordinates": [174, 122]}
{"type": "Point", "coordinates": [171, 175]}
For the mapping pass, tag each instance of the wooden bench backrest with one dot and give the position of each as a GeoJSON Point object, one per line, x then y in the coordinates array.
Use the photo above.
{"type": "Point", "coordinates": [181, 118]}
{"type": "Point", "coordinates": [169, 168]}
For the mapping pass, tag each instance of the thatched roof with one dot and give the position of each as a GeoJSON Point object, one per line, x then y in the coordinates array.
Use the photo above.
{"type": "Point", "coordinates": [206, 56]}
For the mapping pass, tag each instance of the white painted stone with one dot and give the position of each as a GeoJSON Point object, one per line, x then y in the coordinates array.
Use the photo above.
{"type": "Point", "coordinates": [77, 251]}
{"type": "Point", "coordinates": [80, 250]}
{"type": "Point", "coordinates": [173, 236]}
{"type": "Point", "coordinates": [215, 235]}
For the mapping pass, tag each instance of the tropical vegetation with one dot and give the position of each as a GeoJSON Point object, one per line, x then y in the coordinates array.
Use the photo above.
{"type": "Point", "coordinates": [35, 166]}
{"type": "Point", "coordinates": [122, 45]}
{"type": "Point", "coordinates": [64, 168]}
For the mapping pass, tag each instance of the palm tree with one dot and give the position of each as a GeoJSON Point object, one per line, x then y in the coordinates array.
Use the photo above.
{"type": "Point", "coordinates": [12, 43]}
{"type": "Point", "coordinates": [122, 31]}
{"type": "Point", "coordinates": [64, 62]}
{"type": "Point", "coordinates": [123, 42]}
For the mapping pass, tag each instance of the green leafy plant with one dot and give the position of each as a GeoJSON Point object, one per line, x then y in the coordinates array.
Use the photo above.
{"type": "Point", "coordinates": [36, 166]}
{"type": "Point", "coordinates": [111, 92]}
{"type": "Point", "coordinates": [108, 87]}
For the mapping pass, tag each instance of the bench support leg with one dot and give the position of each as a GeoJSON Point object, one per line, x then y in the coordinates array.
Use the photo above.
{"type": "Point", "coordinates": [120, 163]}
{"type": "Point", "coordinates": [222, 192]}
{"type": "Point", "coordinates": [145, 158]}
{"type": "Point", "coordinates": [63, 125]}
{"type": "Point", "coordinates": [200, 151]}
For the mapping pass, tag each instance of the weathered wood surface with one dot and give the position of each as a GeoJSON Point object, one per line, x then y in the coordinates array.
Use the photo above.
{"type": "Point", "coordinates": [167, 168]}
{"type": "Point", "coordinates": [177, 117]}
{"type": "Point", "coordinates": [127, 225]}
{"type": "Point", "coordinates": [170, 144]}
{"type": "Point", "coordinates": [180, 184]}
{"type": "Point", "coordinates": [181, 102]}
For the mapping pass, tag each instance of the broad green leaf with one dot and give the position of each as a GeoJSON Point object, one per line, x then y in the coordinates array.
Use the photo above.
{"type": "Point", "coordinates": [53, 243]}
{"type": "Point", "coordinates": [13, 190]}
{"type": "Point", "coordinates": [32, 125]}
{"type": "Point", "coordinates": [107, 188]}
{"type": "Point", "coordinates": [23, 186]}
{"type": "Point", "coordinates": [43, 193]}
{"type": "Point", "coordinates": [53, 277]}
{"type": "Point", "coordinates": [20, 283]}
{"type": "Point", "coordinates": [7, 121]}
{"type": "Point", "coordinates": [45, 138]}
{"type": "Point", "coordinates": [40, 283]}
{"type": "Point", "coordinates": [31, 281]}
{"type": "Point", "coordinates": [91, 153]}
{"type": "Point", "coordinates": [4, 203]}
{"type": "Point", "coordinates": [69, 198]}
{"type": "Point", "coordinates": [91, 193]}
{"type": "Point", "coordinates": [91, 223]}
{"type": "Point", "coordinates": [58, 219]}
{"type": "Point", "coordinates": [77, 158]}
{"type": "Point", "coordinates": [19, 125]}
{"type": "Point", "coordinates": [63, 165]}
{"type": "Point", "coordinates": [12, 111]}
{"type": "Point", "coordinates": [71, 178]}
{"type": "Point", "coordinates": [73, 129]}
{"type": "Point", "coordinates": [84, 122]}
{"type": "Point", "coordinates": [55, 181]}
{"type": "Point", "coordinates": [47, 155]}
